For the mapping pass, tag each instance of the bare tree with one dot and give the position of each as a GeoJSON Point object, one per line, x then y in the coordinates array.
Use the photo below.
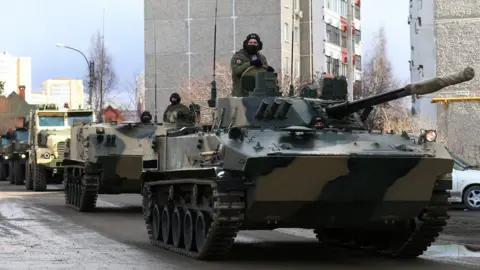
{"type": "Point", "coordinates": [2, 87]}
{"type": "Point", "coordinates": [105, 78]}
{"type": "Point", "coordinates": [131, 90]}
{"type": "Point", "coordinates": [377, 78]}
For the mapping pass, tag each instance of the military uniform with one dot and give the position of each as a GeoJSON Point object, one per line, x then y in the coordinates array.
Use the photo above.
{"type": "Point", "coordinates": [242, 60]}
{"type": "Point", "coordinates": [239, 64]}
{"type": "Point", "coordinates": [177, 113]}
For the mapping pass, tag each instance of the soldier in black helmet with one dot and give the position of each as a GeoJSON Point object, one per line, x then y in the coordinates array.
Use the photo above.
{"type": "Point", "coordinates": [176, 111]}
{"type": "Point", "coordinates": [146, 117]}
{"type": "Point", "coordinates": [245, 58]}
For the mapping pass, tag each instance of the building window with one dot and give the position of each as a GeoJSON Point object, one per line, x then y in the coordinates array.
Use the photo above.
{"type": "Point", "coordinates": [333, 34]}
{"type": "Point", "coordinates": [343, 69]}
{"type": "Point", "coordinates": [329, 64]}
{"type": "Point", "coordinates": [344, 39]}
{"type": "Point", "coordinates": [343, 8]}
{"type": "Point", "coordinates": [287, 31]}
{"type": "Point", "coordinates": [297, 35]}
{"type": "Point", "coordinates": [358, 62]}
{"type": "Point", "coordinates": [335, 67]}
{"type": "Point", "coordinates": [358, 36]}
{"type": "Point", "coordinates": [297, 68]}
{"type": "Point", "coordinates": [357, 12]}
{"type": "Point", "coordinates": [287, 64]}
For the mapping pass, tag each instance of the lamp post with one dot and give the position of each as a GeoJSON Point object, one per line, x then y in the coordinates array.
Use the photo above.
{"type": "Point", "coordinates": [91, 72]}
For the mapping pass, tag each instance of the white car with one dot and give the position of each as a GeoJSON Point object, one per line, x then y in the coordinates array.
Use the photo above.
{"type": "Point", "coordinates": [465, 183]}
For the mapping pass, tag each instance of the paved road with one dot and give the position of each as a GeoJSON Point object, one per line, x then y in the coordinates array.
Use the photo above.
{"type": "Point", "coordinates": [37, 231]}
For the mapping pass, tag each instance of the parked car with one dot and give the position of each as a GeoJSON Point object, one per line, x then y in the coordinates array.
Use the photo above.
{"type": "Point", "coordinates": [466, 183]}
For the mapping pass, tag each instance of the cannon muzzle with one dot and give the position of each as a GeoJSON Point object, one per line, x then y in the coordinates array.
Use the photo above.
{"type": "Point", "coordinates": [424, 87]}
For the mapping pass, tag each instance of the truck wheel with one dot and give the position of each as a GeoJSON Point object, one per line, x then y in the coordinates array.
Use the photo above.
{"type": "Point", "coordinates": [40, 178]}
{"type": "Point", "coordinates": [28, 177]}
{"type": "Point", "coordinates": [19, 173]}
{"type": "Point", "coordinates": [11, 171]}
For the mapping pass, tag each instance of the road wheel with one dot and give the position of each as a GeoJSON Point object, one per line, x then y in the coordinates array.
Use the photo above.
{"type": "Point", "coordinates": [471, 197]}
{"type": "Point", "coordinates": [19, 173]}
{"type": "Point", "coordinates": [40, 178]}
{"type": "Point", "coordinates": [28, 176]}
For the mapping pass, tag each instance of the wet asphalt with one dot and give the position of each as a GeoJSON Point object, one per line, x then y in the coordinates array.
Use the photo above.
{"type": "Point", "coordinates": [37, 231]}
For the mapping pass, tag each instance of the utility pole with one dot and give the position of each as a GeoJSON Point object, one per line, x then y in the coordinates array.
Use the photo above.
{"type": "Point", "coordinates": [350, 50]}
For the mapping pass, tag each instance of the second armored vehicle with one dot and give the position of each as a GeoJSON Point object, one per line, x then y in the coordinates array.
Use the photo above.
{"type": "Point", "coordinates": [49, 127]}
{"type": "Point", "coordinates": [106, 158]}
{"type": "Point", "coordinates": [273, 162]}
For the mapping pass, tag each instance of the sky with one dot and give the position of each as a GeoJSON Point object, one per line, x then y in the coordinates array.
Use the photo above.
{"type": "Point", "coordinates": [33, 27]}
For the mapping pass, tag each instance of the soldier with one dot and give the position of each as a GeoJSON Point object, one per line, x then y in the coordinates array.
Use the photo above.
{"type": "Point", "coordinates": [245, 58]}
{"type": "Point", "coordinates": [176, 111]}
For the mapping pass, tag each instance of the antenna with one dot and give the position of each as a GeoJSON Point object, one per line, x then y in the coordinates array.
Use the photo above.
{"type": "Point", "coordinates": [291, 92]}
{"type": "Point", "coordinates": [213, 92]}
{"type": "Point", "coordinates": [155, 76]}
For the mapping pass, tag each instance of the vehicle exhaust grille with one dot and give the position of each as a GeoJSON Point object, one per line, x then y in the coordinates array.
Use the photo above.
{"type": "Point", "coordinates": [61, 149]}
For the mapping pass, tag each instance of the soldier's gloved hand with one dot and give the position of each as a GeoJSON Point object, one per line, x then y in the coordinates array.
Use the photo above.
{"type": "Point", "coordinates": [257, 62]}
{"type": "Point", "coordinates": [270, 69]}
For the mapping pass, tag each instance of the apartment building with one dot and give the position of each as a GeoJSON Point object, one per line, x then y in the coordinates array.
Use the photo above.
{"type": "Point", "coordinates": [444, 36]}
{"type": "Point", "coordinates": [60, 91]}
{"type": "Point", "coordinates": [179, 39]}
{"type": "Point", "coordinates": [14, 72]}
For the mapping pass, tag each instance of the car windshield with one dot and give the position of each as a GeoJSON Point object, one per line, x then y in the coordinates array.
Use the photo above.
{"type": "Point", "coordinates": [79, 116]}
{"type": "Point", "coordinates": [462, 161]}
{"type": "Point", "coordinates": [51, 121]}
{"type": "Point", "coordinates": [22, 135]}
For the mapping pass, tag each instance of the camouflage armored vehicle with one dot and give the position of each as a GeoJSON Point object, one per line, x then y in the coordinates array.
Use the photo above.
{"type": "Point", "coordinates": [106, 158]}
{"type": "Point", "coordinates": [16, 155]}
{"type": "Point", "coordinates": [277, 162]}
{"type": "Point", "coordinates": [49, 127]}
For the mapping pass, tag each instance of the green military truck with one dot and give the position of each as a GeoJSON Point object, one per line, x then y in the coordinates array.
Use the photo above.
{"type": "Point", "coordinates": [15, 153]}
{"type": "Point", "coordinates": [49, 127]}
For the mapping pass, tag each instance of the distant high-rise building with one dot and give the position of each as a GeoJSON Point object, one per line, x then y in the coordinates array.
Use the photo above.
{"type": "Point", "coordinates": [183, 34]}
{"type": "Point", "coordinates": [59, 92]}
{"type": "Point", "coordinates": [14, 72]}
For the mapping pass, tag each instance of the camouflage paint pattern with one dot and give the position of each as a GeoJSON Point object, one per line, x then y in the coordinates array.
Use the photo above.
{"type": "Point", "coordinates": [120, 151]}
{"type": "Point", "coordinates": [272, 162]}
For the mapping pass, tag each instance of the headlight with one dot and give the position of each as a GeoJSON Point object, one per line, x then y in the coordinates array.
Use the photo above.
{"type": "Point", "coordinates": [46, 155]}
{"type": "Point", "coordinates": [23, 155]}
{"type": "Point", "coordinates": [431, 135]}
{"type": "Point", "coordinates": [5, 157]}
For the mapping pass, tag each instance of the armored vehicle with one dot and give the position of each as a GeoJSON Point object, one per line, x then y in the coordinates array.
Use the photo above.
{"type": "Point", "coordinates": [277, 162]}
{"type": "Point", "coordinates": [16, 155]}
{"type": "Point", "coordinates": [106, 158]}
{"type": "Point", "coordinates": [4, 169]}
{"type": "Point", "coordinates": [49, 127]}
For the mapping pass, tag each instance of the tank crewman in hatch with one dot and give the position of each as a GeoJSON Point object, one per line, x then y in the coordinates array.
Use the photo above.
{"type": "Point", "coordinates": [176, 111]}
{"type": "Point", "coordinates": [146, 117]}
{"type": "Point", "coordinates": [245, 58]}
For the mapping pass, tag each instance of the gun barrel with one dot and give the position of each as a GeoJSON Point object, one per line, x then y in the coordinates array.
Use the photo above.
{"type": "Point", "coordinates": [428, 86]}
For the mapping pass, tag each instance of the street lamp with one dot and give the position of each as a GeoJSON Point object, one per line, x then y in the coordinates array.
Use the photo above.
{"type": "Point", "coordinates": [91, 71]}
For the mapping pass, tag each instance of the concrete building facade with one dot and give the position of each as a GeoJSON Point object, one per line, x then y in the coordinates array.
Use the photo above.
{"type": "Point", "coordinates": [14, 72]}
{"type": "Point", "coordinates": [444, 38]}
{"type": "Point", "coordinates": [179, 39]}
{"type": "Point", "coordinates": [60, 91]}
